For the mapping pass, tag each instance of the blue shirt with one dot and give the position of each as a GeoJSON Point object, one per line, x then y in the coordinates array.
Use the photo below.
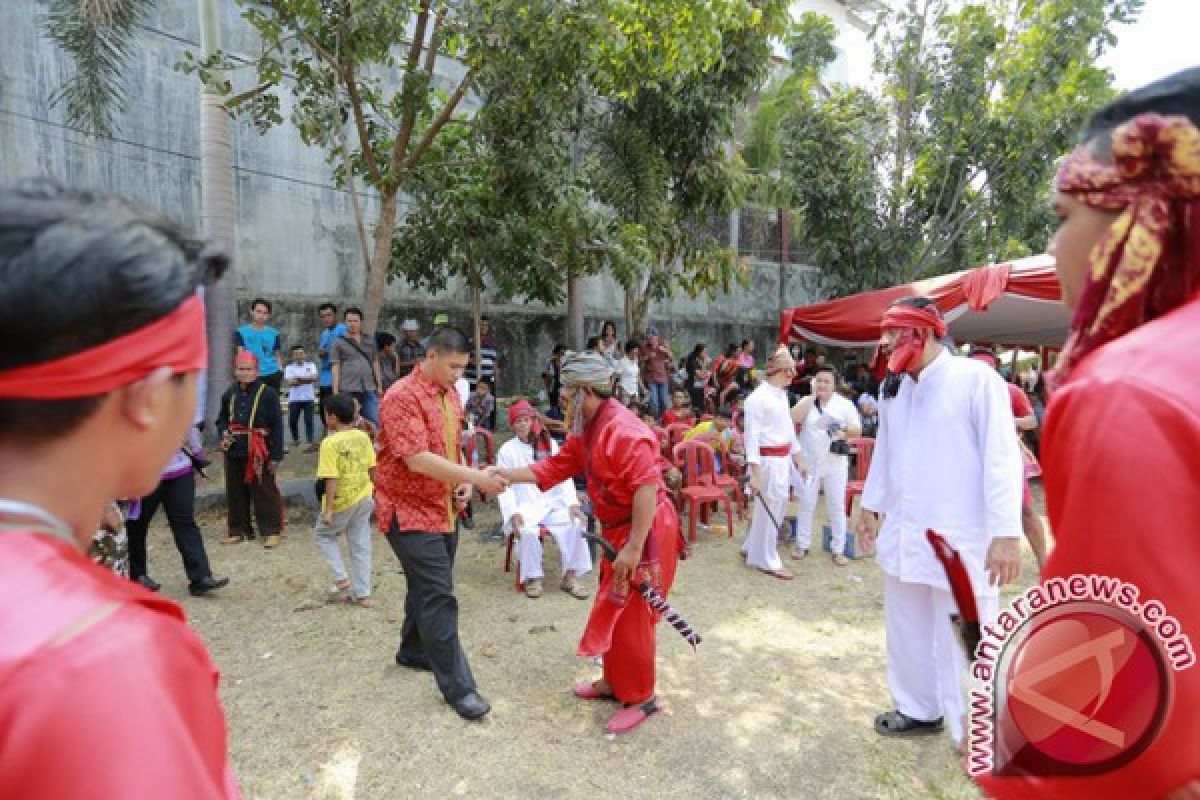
{"type": "Point", "coordinates": [328, 337]}
{"type": "Point", "coordinates": [263, 343]}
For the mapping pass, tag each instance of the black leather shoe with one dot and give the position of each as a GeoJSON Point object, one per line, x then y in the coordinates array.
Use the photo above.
{"type": "Point", "coordinates": [414, 663]}
{"type": "Point", "coordinates": [471, 706]}
{"type": "Point", "coordinates": [203, 587]}
{"type": "Point", "coordinates": [148, 582]}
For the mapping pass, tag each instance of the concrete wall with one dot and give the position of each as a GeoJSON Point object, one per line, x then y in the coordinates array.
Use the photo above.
{"type": "Point", "coordinates": [295, 240]}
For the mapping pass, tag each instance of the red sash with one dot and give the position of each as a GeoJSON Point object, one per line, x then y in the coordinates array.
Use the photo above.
{"type": "Point", "coordinates": [775, 450]}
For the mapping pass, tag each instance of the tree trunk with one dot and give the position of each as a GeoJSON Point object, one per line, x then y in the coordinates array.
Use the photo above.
{"type": "Point", "coordinates": [385, 231]}
{"type": "Point", "coordinates": [476, 318]}
{"type": "Point", "coordinates": [637, 308]}
{"type": "Point", "coordinates": [216, 218]}
{"type": "Point", "coordinates": [574, 311]}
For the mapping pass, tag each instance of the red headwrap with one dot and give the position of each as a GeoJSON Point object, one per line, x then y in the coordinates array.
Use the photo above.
{"type": "Point", "coordinates": [176, 341]}
{"type": "Point", "coordinates": [913, 322]}
{"type": "Point", "coordinates": [1148, 262]}
{"type": "Point", "coordinates": [245, 358]}
{"type": "Point", "coordinates": [519, 409]}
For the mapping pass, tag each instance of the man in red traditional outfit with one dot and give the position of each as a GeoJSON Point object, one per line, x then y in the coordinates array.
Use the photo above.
{"type": "Point", "coordinates": [105, 691]}
{"type": "Point", "coordinates": [1121, 449]}
{"type": "Point", "coordinates": [619, 454]}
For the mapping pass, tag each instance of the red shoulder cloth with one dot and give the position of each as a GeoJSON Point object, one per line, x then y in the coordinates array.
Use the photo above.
{"type": "Point", "coordinates": [104, 689]}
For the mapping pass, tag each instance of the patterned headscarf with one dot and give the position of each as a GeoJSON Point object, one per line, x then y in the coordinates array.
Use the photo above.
{"type": "Point", "coordinates": [1148, 262]}
{"type": "Point", "coordinates": [589, 370]}
{"type": "Point", "coordinates": [780, 361]}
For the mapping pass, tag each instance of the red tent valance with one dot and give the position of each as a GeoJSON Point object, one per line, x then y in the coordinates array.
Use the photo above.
{"type": "Point", "coordinates": [1018, 303]}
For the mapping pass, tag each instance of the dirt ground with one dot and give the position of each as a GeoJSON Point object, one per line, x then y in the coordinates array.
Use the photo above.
{"type": "Point", "coordinates": [777, 704]}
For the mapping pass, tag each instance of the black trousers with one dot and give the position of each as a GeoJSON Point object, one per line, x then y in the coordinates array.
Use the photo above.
{"type": "Point", "coordinates": [178, 497]}
{"type": "Point", "coordinates": [262, 494]}
{"type": "Point", "coordinates": [294, 412]}
{"type": "Point", "coordinates": [430, 630]}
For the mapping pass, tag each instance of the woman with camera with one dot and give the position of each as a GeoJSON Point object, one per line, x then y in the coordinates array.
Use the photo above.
{"type": "Point", "coordinates": [827, 420]}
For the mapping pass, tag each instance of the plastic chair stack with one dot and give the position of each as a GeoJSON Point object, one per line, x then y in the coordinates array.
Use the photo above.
{"type": "Point", "coordinates": [700, 486]}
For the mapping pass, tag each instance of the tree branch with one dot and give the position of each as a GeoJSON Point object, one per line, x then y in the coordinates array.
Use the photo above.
{"type": "Point", "coordinates": [435, 42]}
{"type": "Point", "coordinates": [439, 121]}
{"type": "Point", "coordinates": [400, 146]}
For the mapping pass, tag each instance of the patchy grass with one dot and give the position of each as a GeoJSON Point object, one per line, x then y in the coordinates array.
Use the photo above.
{"type": "Point", "coordinates": [778, 703]}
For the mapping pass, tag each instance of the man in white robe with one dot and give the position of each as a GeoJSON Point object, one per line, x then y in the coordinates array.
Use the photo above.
{"type": "Point", "coordinates": [825, 417]}
{"type": "Point", "coordinates": [526, 509]}
{"type": "Point", "coordinates": [945, 459]}
{"type": "Point", "coordinates": [771, 450]}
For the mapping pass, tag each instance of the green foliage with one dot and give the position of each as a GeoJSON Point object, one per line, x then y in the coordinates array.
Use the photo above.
{"type": "Point", "coordinates": [949, 164]}
{"type": "Point", "coordinates": [660, 159]}
{"type": "Point", "coordinates": [98, 36]}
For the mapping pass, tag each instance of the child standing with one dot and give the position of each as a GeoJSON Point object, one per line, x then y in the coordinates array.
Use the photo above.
{"type": "Point", "coordinates": [681, 412]}
{"type": "Point", "coordinates": [301, 376]}
{"type": "Point", "coordinates": [481, 405]}
{"type": "Point", "coordinates": [347, 465]}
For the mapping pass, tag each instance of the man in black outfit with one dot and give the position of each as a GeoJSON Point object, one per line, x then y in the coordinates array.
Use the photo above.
{"type": "Point", "coordinates": [176, 492]}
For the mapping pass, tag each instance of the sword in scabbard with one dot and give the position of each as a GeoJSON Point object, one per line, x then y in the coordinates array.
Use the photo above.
{"type": "Point", "coordinates": [967, 618]}
{"type": "Point", "coordinates": [653, 597]}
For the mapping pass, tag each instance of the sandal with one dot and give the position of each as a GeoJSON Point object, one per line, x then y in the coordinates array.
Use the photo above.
{"type": "Point", "coordinates": [587, 691]}
{"type": "Point", "coordinates": [840, 560]}
{"type": "Point", "coordinates": [533, 588]}
{"type": "Point", "coordinates": [233, 539]}
{"type": "Point", "coordinates": [628, 718]}
{"type": "Point", "coordinates": [362, 602]}
{"type": "Point", "coordinates": [897, 723]}
{"type": "Point", "coordinates": [781, 574]}
{"type": "Point", "coordinates": [338, 589]}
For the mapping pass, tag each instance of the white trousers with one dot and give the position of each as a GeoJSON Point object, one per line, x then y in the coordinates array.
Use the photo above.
{"type": "Point", "coordinates": [760, 545]}
{"type": "Point", "coordinates": [926, 662]}
{"type": "Point", "coordinates": [567, 533]}
{"type": "Point", "coordinates": [831, 475]}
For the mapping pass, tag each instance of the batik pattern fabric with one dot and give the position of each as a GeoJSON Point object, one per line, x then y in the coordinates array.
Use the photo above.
{"type": "Point", "coordinates": [1145, 265]}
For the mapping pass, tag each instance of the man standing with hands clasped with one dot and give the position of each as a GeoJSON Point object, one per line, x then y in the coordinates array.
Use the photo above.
{"type": "Point", "coordinates": [945, 459]}
{"type": "Point", "coordinates": [420, 484]}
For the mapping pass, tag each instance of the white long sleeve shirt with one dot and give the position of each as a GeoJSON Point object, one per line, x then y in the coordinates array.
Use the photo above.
{"type": "Point", "coordinates": [945, 458]}
{"type": "Point", "coordinates": [814, 434]}
{"type": "Point", "coordinates": [768, 422]}
{"type": "Point", "coordinates": [525, 498]}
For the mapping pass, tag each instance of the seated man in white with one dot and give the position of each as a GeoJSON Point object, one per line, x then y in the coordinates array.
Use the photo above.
{"type": "Point", "coordinates": [525, 508]}
{"type": "Point", "coordinates": [827, 419]}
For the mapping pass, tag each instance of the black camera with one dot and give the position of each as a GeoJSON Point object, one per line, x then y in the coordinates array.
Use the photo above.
{"type": "Point", "coordinates": [839, 447]}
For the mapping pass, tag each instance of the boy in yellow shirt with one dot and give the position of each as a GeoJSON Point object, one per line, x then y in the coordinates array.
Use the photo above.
{"type": "Point", "coordinates": [347, 465]}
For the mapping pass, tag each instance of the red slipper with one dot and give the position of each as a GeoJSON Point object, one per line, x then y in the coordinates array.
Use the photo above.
{"type": "Point", "coordinates": [629, 718]}
{"type": "Point", "coordinates": [780, 574]}
{"type": "Point", "coordinates": [588, 691]}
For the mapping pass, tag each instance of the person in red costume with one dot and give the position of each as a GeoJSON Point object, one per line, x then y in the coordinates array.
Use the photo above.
{"type": "Point", "coordinates": [1121, 448]}
{"type": "Point", "coordinates": [620, 456]}
{"type": "Point", "coordinates": [105, 692]}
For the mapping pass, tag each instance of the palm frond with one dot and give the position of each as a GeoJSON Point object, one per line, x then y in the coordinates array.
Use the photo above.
{"type": "Point", "coordinates": [98, 36]}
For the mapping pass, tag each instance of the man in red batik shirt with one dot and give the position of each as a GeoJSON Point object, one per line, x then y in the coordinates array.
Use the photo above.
{"type": "Point", "coordinates": [619, 454]}
{"type": "Point", "coordinates": [1121, 448]}
{"type": "Point", "coordinates": [420, 484]}
{"type": "Point", "coordinates": [104, 689]}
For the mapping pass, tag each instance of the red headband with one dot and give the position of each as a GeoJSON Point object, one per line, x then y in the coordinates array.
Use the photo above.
{"type": "Point", "coordinates": [519, 409]}
{"type": "Point", "coordinates": [176, 341]}
{"type": "Point", "coordinates": [913, 317]}
{"type": "Point", "coordinates": [1144, 265]}
{"type": "Point", "coordinates": [247, 358]}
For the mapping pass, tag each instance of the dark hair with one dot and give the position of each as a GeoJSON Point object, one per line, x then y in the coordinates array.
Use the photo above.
{"type": "Point", "coordinates": [327, 307]}
{"type": "Point", "coordinates": [592, 342]}
{"type": "Point", "coordinates": [631, 345]}
{"type": "Point", "coordinates": [725, 412]}
{"type": "Point", "coordinates": [448, 340]}
{"type": "Point", "coordinates": [383, 339]}
{"type": "Point", "coordinates": [746, 342]}
{"type": "Point", "coordinates": [698, 349]}
{"type": "Point", "coordinates": [827, 368]}
{"type": "Point", "coordinates": [296, 347]}
{"type": "Point", "coordinates": [1177, 94]}
{"type": "Point", "coordinates": [559, 348]}
{"type": "Point", "coordinates": [731, 350]}
{"type": "Point", "coordinates": [352, 310]}
{"type": "Point", "coordinates": [84, 268]}
{"type": "Point", "coordinates": [259, 301]}
{"type": "Point", "coordinates": [608, 323]}
{"type": "Point", "coordinates": [340, 406]}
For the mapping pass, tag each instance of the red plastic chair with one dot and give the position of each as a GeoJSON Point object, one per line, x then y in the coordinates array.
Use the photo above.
{"type": "Point", "coordinates": [489, 447]}
{"type": "Point", "coordinates": [726, 480]}
{"type": "Point", "coordinates": [700, 487]}
{"type": "Point", "coordinates": [675, 433]}
{"type": "Point", "coordinates": [865, 447]}
{"type": "Point", "coordinates": [508, 559]}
